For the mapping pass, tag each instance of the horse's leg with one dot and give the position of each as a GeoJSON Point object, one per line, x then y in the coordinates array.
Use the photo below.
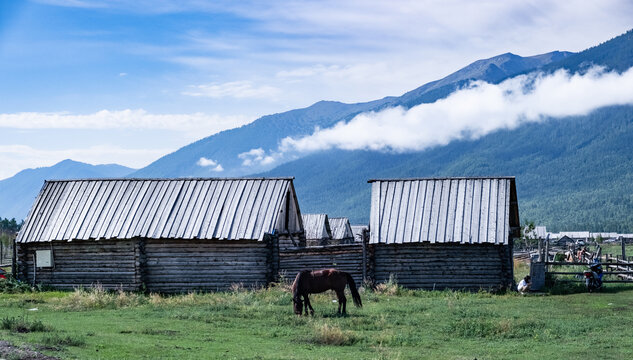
{"type": "Point", "coordinates": [342, 301]}
{"type": "Point", "coordinates": [305, 302]}
{"type": "Point", "coordinates": [311, 309]}
{"type": "Point", "coordinates": [308, 305]}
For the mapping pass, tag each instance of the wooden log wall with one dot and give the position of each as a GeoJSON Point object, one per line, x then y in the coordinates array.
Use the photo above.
{"type": "Point", "coordinates": [112, 264]}
{"type": "Point", "coordinates": [289, 241]}
{"type": "Point", "coordinates": [174, 266]}
{"type": "Point", "coordinates": [327, 242]}
{"type": "Point", "coordinates": [444, 266]}
{"type": "Point", "coordinates": [348, 258]}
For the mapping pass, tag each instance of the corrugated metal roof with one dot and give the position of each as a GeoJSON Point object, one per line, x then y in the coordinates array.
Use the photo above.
{"type": "Point", "coordinates": [341, 228]}
{"type": "Point", "coordinates": [155, 208]}
{"type": "Point", "coordinates": [316, 226]}
{"type": "Point", "coordinates": [443, 210]}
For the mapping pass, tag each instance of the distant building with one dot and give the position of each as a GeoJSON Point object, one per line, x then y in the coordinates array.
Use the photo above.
{"type": "Point", "coordinates": [358, 232]}
{"type": "Point", "coordinates": [317, 229]}
{"type": "Point", "coordinates": [341, 230]}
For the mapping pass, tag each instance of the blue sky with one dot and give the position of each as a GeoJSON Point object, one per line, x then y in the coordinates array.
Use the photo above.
{"type": "Point", "coordinates": [129, 81]}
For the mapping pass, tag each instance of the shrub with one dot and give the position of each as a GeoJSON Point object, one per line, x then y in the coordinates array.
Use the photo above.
{"type": "Point", "coordinates": [391, 287]}
{"type": "Point", "coordinates": [332, 335]}
{"type": "Point", "coordinates": [14, 286]}
{"type": "Point", "coordinates": [22, 325]}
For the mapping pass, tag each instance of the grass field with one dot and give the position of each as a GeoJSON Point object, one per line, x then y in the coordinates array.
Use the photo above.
{"type": "Point", "coordinates": [616, 249]}
{"type": "Point", "coordinates": [393, 324]}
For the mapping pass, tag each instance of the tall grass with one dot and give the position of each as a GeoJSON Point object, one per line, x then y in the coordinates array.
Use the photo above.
{"type": "Point", "coordinates": [97, 297]}
{"type": "Point", "coordinates": [57, 340]}
{"type": "Point", "coordinates": [22, 325]}
{"type": "Point", "coordinates": [327, 334]}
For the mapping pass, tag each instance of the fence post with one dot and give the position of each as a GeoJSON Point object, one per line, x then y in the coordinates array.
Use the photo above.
{"type": "Point", "coordinates": [537, 273]}
{"type": "Point", "coordinates": [623, 247]}
{"type": "Point", "coordinates": [540, 250]}
{"type": "Point", "coordinates": [364, 250]}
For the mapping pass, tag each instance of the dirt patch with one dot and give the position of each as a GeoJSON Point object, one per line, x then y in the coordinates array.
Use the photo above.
{"type": "Point", "coordinates": [8, 351]}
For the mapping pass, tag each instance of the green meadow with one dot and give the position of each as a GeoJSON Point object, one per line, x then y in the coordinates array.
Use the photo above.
{"type": "Point", "coordinates": [394, 323]}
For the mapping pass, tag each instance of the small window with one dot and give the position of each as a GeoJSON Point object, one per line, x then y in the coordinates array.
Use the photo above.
{"type": "Point", "coordinates": [43, 258]}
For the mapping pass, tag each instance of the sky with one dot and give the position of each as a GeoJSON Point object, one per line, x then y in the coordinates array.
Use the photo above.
{"type": "Point", "coordinates": [129, 81]}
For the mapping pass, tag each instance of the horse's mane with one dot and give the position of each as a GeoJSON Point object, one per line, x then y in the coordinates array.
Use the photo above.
{"type": "Point", "coordinates": [298, 283]}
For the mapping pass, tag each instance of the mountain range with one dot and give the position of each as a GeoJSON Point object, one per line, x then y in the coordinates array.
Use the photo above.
{"type": "Point", "coordinates": [18, 192]}
{"type": "Point", "coordinates": [266, 132]}
{"type": "Point", "coordinates": [572, 172]}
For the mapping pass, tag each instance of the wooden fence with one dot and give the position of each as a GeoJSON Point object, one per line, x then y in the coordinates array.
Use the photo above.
{"type": "Point", "coordinates": [350, 258]}
{"type": "Point", "coordinates": [6, 253]}
{"type": "Point", "coordinates": [616, 269]}
{"type": "Point", "coordinates": [413, 265]}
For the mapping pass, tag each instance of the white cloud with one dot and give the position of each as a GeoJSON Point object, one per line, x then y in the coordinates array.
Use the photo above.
{"type": "Point", "coordinates": [15, 158]}
{"type": "Point", "coordinates": [297, 52]}
{"type": "Point", "coordinates": [134, 119]}
{"type": "Point", "coordinates": [469, 113]}
{"type": "Point", "coordinates": [256, 157]}
{"type": "Point", "coordinates": [233, 89]}
{"type": "Point", "coordinates": [204, 162]}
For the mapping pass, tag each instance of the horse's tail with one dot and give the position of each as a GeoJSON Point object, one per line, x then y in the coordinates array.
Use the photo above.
{"type": "Point", "coordinates": [352, 288]}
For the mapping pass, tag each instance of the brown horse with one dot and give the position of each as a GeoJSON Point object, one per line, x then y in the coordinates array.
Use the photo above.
{"type": "Point", "coordinates": [313, 282]}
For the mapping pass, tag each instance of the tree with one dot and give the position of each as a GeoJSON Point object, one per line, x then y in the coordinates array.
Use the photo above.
{"type": "Point", "coordinates": [528, 235]}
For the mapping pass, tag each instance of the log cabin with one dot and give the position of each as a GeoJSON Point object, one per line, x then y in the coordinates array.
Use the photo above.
{"type": "Point", "coordinates": [159, 235]}
{"type": "Point", "coordinates": [440, 233]}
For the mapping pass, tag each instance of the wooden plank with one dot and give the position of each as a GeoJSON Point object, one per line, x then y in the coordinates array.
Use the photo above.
{"type": "Point", "coordinates": [443, 214]}
{"type": "Point", "coordinates": [435, 210]}
{"type": "Point", "coordinates": [413, 219]}
{"type": "Point", "coordinates": [466, 237]}
{"type": "Point", "coordinates": [476, 211]}
{"type": "Point", "coordinates": [402, 206]}
{"type": "Point", "coordinates": [483, 212]}
{"type": "Point", "coordinates": [501, 237]}
{"type": "Point", "coordinates": [426, 216]}
{"type": "Point", "coordinates": [491, 236]}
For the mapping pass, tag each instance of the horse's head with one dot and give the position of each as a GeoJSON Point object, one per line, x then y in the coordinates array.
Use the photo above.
{"type": "Point", "coordinates": [297, 304]}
